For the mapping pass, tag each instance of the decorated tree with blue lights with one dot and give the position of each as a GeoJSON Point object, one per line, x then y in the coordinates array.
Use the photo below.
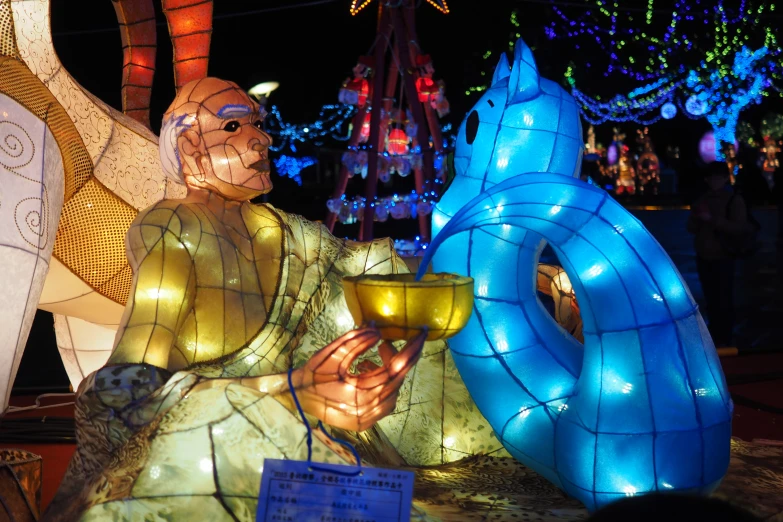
{"type": "Point", "coordinates": [709, 59]}
{"type": "Point", "coordinates": [333, 123]}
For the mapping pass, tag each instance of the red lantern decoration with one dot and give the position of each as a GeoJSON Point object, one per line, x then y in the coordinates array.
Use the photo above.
{"type": "Point", "coordinates": [398, 142]}
{"type": "Point", "coordinates": [364, 91]}
{"type": "Point", "coordinates": [355, 92]}
{"type": "Point", "coordinates": [427, 89]}
{"type": "Point", "coordinates": [364, 134]}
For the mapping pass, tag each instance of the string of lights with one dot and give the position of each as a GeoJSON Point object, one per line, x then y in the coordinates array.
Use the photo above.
{"type": "Point", "coordinates": [332, 122]}
{"type": "Point", "coordinates": [624, 108]}
{"type": "Point", "coordinates": [719, 95]}
{"type": "Point", "coordinates": [410, 247]}
{"type": "Point", "coordinates": [396, 206]}
{"type": "Point", "coordinates": [356, 160]}
{"type": "Point", "coordinates": [635, 50]}
{"type": "Point", "coordinates": [292, 166]}
{"type": "Point", "coordinates": [771, 128]}
{"type": "Point", "coordinates": [704, 61]}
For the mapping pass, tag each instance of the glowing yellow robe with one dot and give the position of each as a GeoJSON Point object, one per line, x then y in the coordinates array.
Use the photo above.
{"type": "Point", "coordinates": [145, 449]}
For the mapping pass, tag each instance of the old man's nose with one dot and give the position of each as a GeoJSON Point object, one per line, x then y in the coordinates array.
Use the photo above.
{"type": "Point", "coordinates": [259, 146]}
{"type": "Point", "coordinates": [264, 140]}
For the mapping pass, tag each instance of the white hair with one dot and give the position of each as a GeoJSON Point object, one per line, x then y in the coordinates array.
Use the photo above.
{"type": "Point", "coordinates": [170, 161]}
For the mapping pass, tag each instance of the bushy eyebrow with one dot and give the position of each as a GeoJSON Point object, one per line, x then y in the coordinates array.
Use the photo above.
{"type": "Point", "coordinates": [234, 111]}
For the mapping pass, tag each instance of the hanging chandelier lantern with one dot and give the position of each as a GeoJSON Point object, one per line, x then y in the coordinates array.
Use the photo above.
{"type": "Point", "coordinates": [356, 90]}
{"type": "Point", "coordinates": [397, 142]}
{"type": "Point", "coordinates": [426, 87]}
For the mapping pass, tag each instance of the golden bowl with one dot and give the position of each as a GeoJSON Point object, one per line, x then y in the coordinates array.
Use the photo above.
{"type": "Point", "coordinates": [401, 307]}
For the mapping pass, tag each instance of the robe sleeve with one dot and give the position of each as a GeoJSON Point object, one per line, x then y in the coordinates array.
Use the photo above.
{"type": "Point", "coordinates": [371, 257]}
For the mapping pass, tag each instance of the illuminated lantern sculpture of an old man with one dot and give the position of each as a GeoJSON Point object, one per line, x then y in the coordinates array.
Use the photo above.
{"type": "Point", "coordinates": [225, 295]}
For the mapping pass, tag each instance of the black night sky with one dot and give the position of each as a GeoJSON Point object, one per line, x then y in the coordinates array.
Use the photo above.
{"type": "Point", "coordinates": [310, 50]}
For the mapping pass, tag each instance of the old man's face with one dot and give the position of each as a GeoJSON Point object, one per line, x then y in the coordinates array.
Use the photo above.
{"type": "Point", "coordinates": [224, 148]}
{"type": "Point", "coordinates": [238, 149]}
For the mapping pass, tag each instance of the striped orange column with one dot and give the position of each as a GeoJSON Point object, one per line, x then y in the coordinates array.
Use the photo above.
{"type": "Point", "coordinates": [190, 27]}
{"type": "Point", "coordinates": [137, 28]}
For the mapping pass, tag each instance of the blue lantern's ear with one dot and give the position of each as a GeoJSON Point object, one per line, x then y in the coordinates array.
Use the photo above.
{"type": "Point", "coordinates": [502, 70]}
{"type": "Point", "coordinates": [523, 83]}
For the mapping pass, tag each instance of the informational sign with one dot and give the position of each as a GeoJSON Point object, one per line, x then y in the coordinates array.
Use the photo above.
{"type": "Point", "coordinates": [295, 491]}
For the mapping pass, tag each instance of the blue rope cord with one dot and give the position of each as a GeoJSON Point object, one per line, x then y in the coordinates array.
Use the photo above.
{"type": "Point", "coordinates": [323, 429]}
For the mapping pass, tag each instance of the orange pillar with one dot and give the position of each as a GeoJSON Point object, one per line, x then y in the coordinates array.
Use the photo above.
{"type": "Point", "coordinates": [139, 43]}
{"type": "Point", "coordinates": [190, 27]}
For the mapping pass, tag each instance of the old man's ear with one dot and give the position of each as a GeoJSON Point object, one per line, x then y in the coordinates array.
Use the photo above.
{"type": "Point", "coordinates": [189, 141]}
{"type": "Point", "coordinates": [188, 144]}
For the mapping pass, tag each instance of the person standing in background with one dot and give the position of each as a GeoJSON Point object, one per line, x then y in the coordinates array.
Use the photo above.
{"type": "Point", "coordinates": [719, 222]}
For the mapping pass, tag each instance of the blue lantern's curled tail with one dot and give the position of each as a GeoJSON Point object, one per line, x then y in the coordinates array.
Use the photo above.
{"type": "Point", "coordinates": [643, 406]}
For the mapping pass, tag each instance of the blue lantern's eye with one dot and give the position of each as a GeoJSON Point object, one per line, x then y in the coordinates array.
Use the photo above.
{"type": "Point", "coordinates": [471, 127]}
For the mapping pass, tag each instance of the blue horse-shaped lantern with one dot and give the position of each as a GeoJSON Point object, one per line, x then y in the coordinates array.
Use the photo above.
{"type": "Point", "coordinates": [642, 406]}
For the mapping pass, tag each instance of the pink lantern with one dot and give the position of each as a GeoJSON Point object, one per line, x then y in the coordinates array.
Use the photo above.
{"type": "Point", "coordinates": [707, 147]}
{"type": "Point", "coordinates": [612, 154]}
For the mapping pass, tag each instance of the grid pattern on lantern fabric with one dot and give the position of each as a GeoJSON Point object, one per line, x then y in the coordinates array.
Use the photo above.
{"type": "Point", "coordinates": [645, 406]}
{"type": "Point", "coordinates": [207, 106]}
{"type": "Point", "coordinates": [515, 128]}
{"type": "Point", "coordinates": [142, 442]}
{"type": "Point", "coordinates": [240, 297]}
{"type": "Point", "coordinates": [139, 44]}
{"type": "Point", "coordinates": [190, 27]}
{"type": "Point", "coordinates": [244, 294]}
{"type": "Point", "coordinates": [245, 312]}
{"type": "Point", "coordinates": [642, 406]}
{"type": "Point", "coordinates": [522, 123]}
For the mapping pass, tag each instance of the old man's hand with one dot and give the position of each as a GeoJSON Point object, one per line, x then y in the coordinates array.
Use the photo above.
{"type": "Point", "coordinates": [327, 389]}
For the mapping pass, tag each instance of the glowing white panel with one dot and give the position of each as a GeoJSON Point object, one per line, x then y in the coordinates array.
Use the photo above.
{"type": "Point", "coordinates": [31, 197]}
